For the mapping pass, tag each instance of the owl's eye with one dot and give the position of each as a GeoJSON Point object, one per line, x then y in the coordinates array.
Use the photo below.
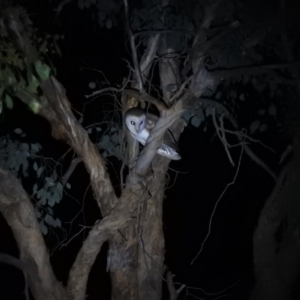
{"type": "Point", "coordinates": [132, 122]}
{"type": "Point", "coordinates": [141, 122]}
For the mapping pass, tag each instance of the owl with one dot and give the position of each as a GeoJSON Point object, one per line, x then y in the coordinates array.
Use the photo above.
{"type": "Point", "coordinates": [140, 125]}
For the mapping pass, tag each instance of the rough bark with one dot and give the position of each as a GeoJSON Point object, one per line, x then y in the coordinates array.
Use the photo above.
{"type": "Point", "coordinates": [276, 243]}
{"type": "Point", "coordinates": [19, 214]}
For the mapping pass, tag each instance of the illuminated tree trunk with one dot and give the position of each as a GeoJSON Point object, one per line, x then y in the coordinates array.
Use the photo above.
{"type": "Point", "coordinates": [136, 254]}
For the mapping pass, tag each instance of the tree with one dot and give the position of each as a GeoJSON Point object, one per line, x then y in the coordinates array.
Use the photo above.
{"type": "Point", "coordinates": [204, 52]}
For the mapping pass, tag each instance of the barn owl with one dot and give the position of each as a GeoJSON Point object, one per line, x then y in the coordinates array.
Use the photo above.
{"type": "Point", "coordinates": [139, 124]}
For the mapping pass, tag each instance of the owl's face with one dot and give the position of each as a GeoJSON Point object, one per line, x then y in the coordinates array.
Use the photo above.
{"type": "Point", "coordinates": [135, 120]}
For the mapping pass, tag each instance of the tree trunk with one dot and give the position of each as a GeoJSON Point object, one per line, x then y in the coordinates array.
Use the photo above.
{"type": "Point", "coordinates": [276, 239]}
{"type": "Point", "coordinates": [136, 254]}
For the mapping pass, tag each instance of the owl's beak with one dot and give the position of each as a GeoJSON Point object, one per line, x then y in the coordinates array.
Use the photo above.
{"type": "Point", "coordinates": [139, 129]}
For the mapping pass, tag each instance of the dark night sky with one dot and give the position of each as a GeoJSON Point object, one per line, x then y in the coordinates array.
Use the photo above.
{"type": "Point", "coordinates": [205, 172]}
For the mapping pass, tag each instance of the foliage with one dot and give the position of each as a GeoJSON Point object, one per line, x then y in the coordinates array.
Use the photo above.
{"type": "Point", "coordinates": [16, 71]}
{"type": "Point", "coordinates": [23, 158]}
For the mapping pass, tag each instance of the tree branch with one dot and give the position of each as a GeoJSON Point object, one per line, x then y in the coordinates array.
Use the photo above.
{"type": "Point", "coordinates": [133, 50]}
{"type": "Point", "coordinates": [17, 263]}
{"type": "Point", "coordinates": [19, 214]}
{"type": "Point", "coordinates": [75, 135]}
{"type": "Point", "coordinates": [101, 231]}
{"type": "Point", "coordinates": [166, 120]}
{"type": "Point", "coordinates": [69, 172]}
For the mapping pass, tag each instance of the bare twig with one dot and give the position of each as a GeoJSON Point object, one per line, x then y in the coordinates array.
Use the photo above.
{"type": "Point", "coordinates": [260, 162]}
{"type": "Point", "coordinates": [69, 172]}
{"type": "Point", "coordinates": [222, 138]}
{"type": "Point", "coordinates": [133, 50]}
{"type": "Point", "coordinates": [172, 290]}
{"type": "Point", "coordinates": [216, 204]}
{"type": "Point", "coordinates": [74, 236]}
{"type": "Point", "coordinates": [180, 90]}
{"type": "Point", "coordinates": [108, 89]}
{"type": "Point", "coordinates": [240, 137]}
{"type": "Point", "coordinates": [61, 6]}
{"type": "Point", "coordinates": [146, 32]}
{"type": "Point", "coordinates": [250, 153]}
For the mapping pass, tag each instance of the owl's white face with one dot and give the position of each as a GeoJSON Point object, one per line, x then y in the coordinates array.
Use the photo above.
{"type": "Point", "coordinates": [140, 127]}
{"type": "Point", "coordinates": [135, 120]}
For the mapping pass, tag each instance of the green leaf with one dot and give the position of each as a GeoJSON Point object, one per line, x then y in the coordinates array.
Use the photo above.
{"type": "Point", "coordinates": [58, 222]}
{"type": "Point", "coordinates": [115, 138]}
{"type": "Point", "coordinates": [25, 146]}
{"type": "Point", "coordinates": [56, 197]}
{"type": "Point", "coordinates": [187, 115]}
{"type": "Point", "coordinates": [200, 114]}
{"type": "Point", "coordinates": [43, 228]}
{"type": "Point", "coordinates": [272, 110]}
{"type": "Point", "coordinates": [104, 142]}
{"type": "Point", "coordinates": [242, 97]}
{"type": "Point", "coordinates": [254, 126]}
{"type": "Point", "coordinates": [34, 190]}
{"type": "Point", "coordinates": [42, 70]}
{"type": "Point", "coordinates": [25, 168]}
{"type": "Point", "coordinates": [196, 121]}
{"type": "Point", "coordinates": [39, 172]}
{"type": "Point", "coordinates": [42, 201]}
{"type": "Point", "coordinates": [263, 127]}
{"type": "Point", "coordinates": [49, 219]}
{"type": "Point", "coordinates": [40, 193]}
{"type": "Point", "coordinates": [51, 201]}
{"type": "Point", "coordinates": [25, 153]}
{"type": "Point", "coordinates": [18, 131]}
{"type": "Point", "coordinates": [36, 147]}
{"type": "Point", "coordinates": [37, 213]}
{"type": "Point", "coordinates": [10, 78]}
{"type": "Point", "coordinates": [88, 3]}
{"type": "Point", "coordinates": [34, 105]}
{"type": "Point", "coordinates": [81, 4]}
{"type": "Point", "coordinates": [108, 23]}
{"type": "Point", "coordinates": [92, 85]}
{"type": "Point", "coordinates": [33, 83]}
{"type": "Point", "coordinates": [59, 187]}
{"type": "Point", "coordinates": [8, 101]}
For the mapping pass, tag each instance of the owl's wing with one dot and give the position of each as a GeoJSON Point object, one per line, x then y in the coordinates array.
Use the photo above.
{"type": "Point", "coordinates": [168, 138]}
{"type": "Point", "coordinates": [169, 152]}
{"type": "Point", "coordinates": [169, 147]}
{"type": "Point", "coordinates": [151, 121]}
